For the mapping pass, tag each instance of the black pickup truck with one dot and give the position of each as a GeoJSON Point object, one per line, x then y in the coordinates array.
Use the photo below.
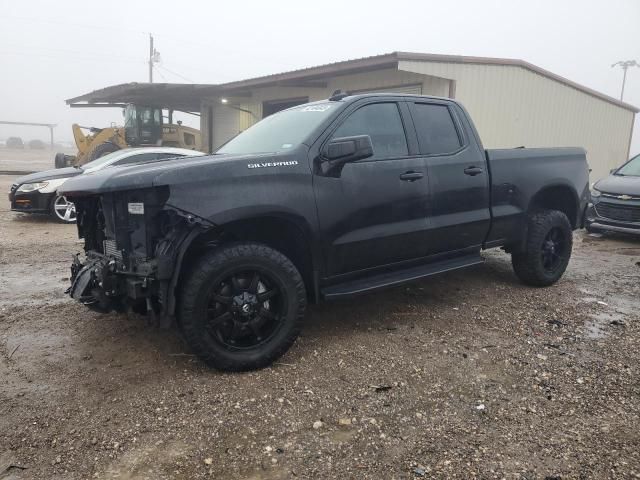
{"type": "Point", "coordinates": [317, 202]}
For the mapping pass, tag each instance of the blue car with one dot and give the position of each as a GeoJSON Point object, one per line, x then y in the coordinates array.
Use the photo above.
{"type": "Point", "coordinates": [615, 201]}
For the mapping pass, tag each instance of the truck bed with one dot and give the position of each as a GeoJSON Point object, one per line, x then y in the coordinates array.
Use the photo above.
{"type": "Point", "coordinates": [518, 175]}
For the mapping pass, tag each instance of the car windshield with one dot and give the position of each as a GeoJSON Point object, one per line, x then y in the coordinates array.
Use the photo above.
{"type": "Point", "coordinates": [631, 168]}
{"type": "Point", "coordinates": [281, 131]}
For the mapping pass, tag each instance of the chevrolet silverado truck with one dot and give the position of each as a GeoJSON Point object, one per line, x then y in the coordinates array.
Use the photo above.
{"type": "Point", "coordinates": [318, 202]}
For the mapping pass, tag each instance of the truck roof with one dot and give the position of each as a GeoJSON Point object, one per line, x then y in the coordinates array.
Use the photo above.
{"type": "Point", "coordinates": [347, 97]}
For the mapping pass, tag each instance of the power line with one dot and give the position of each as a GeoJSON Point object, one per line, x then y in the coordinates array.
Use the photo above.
{"type": "Point", "coordinates": [71, 57]}
{"type": "Point", "coordinates": [71, 24]}
{"type": "Point", "coordinates": [176, 74]}
{"type": "Point", "coordinates": [87, 56]}
{"type": "Point", "coordinates": [103, 27]}
{"type": "Point", "coordinates": [162, 76]}
{"type": "Point", "coordinates": [106, 27]}
{"type": "Point", "coordinates": [79, 52]}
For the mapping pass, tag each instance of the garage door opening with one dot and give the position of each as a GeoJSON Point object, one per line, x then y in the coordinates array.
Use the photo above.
{"type": "Point", "coordinates": [272, 106]}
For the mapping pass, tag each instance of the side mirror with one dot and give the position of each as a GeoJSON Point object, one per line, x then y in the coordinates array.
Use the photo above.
{"type": "Point", "coordinates": [340, 151]}
{"type": "Point", "coordinates": [613, 170]}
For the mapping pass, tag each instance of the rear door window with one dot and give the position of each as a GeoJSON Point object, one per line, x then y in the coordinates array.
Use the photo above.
{"type": "Point", "coordinates": [437, 132]}
{"type": "Point", "coordinates": [382, 122]}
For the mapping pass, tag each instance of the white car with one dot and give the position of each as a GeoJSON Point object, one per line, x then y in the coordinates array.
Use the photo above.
{"type": "Point", "coordinates": [36, 193]}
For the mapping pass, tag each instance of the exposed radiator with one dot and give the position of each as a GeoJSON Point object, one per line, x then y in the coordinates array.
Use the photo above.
{"type": "Point", "coordinates": [109, 248]}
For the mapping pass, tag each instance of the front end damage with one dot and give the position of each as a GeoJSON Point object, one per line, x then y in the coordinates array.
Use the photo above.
{"type": "Point", "coordinates": [134, 246]}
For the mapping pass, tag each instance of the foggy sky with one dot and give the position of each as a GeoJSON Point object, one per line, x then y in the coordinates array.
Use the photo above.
{"type": "Point", "coordinates": [51, 51]}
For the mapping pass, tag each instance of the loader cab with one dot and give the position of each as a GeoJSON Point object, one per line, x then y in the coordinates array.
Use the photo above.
{"type": "Point", "coordinates": [142, 125]}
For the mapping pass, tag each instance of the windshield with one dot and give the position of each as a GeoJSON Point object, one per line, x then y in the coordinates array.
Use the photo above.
{"type": "Point", "coordinates": [631, 168]}
{"type": "Point", "coordinates": [281, 131]}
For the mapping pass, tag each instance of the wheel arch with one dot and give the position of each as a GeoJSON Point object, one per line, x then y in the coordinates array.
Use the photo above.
{"type": "Point", "coordinates": [559, 196]}
{"type": "Point", "coordinates": [290, 235]}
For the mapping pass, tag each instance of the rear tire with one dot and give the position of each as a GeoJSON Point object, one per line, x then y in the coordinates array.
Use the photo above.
{"type": "Point", "coordinates": [548, 249]}
{"type": "Point", "coordinates": [242, 306]}
{"type": "Point", "coordinates": [101, 150]}
{"type": "Point", "coordinates": [60, 160]}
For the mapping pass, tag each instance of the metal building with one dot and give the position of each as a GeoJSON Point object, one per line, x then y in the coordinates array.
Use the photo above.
{"type": "Point", "coordinates": [512, 102]}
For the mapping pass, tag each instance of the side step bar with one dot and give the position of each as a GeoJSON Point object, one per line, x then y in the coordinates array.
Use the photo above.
{"type": "Point", "coordinates": [390, 279]}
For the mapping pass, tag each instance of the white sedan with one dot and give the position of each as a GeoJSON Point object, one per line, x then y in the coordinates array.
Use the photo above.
{"type": "Point", "coordinates": [36, 193]}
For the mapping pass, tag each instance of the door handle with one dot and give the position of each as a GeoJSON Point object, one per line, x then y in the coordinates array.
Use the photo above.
{"type": "Point", "coordinates": [473, 171]}
{"type": "Point", "coordinates": [411, 176]}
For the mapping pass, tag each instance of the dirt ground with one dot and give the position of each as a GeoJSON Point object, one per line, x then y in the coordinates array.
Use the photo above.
{"type": "Point", "coordinates": [466, 375]}
{"type": "Point", "coordinates": [27, 160]}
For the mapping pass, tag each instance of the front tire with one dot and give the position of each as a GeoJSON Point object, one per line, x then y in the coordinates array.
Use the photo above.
{"type": "Point", "coordinates": [590, 229]}
{"type": "Point", "coordinates": [242, 306]}
{"type": "Point", "coordinates": [548, 249]}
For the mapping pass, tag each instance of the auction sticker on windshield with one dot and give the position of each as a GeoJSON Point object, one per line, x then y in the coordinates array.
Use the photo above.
{"type": "Point", "coordinates": [316, 108]}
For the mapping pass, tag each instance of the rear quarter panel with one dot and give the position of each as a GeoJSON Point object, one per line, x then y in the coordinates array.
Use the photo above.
{"type": "Point", "coordinates": [518, 175]}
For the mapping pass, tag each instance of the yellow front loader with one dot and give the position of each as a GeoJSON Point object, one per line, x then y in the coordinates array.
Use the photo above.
{"type": "Point", "coordinates": [143, 126]}
{"type": "Point", "coordinates": [95, 144]}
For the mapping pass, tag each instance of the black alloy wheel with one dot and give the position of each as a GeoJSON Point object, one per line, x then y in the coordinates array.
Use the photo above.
{"type": "Point", "coordinates": [244, 309]}
{"type": "Point", "coordinates": [241, 306]}
{"type": "Point", "coordinates": [547, 249]}
{"type": "Point", "coordinates": [554, 250]}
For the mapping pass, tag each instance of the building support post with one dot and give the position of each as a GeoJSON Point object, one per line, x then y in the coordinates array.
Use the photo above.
{"type": "Point", "coordinates": [151, 54]}
{"type": "Point", "coordinates": [210, 128]}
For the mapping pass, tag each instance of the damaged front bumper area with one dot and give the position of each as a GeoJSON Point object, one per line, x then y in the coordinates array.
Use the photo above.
{"type": "Point", "coordinates": [102, 283]}
{"type": "Point", "coordinates": [93, 282]}
{"type": "Point", "coordinates": [134, 246]}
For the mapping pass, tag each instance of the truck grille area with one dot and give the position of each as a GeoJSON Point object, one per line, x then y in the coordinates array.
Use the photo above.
{"type": "Point", "coordinates": [110, 249]}
{"type": "Point", "coordinates": [614, 211]}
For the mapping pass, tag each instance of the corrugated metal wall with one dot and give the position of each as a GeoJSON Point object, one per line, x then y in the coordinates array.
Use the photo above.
{"type": "Point", "coordinates": [510, 105]}
{"type": "Point", "coordinates": [513, 106]}
{"type": "Point", "coordinates": [229, 121]}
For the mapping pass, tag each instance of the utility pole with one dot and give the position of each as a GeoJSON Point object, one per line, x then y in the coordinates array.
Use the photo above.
{"type": "Point", "coordinates": [151, 58]}
{"type": "Point", "coordinates": [154, 57]}
{"type": "Point", "coordinates": [625, 66]}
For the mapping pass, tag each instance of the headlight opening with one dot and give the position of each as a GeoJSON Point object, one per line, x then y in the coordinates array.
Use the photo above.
{"type": "Point", "coordinates": [31, 187]}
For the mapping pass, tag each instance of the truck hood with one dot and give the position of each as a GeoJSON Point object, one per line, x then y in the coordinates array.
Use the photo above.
{"type": "Point", "coordinates": [621, 185]}
{"type": "Point", "coordinates": [171, 172]}
{"type": "Point", "coordinates": [49, 175]}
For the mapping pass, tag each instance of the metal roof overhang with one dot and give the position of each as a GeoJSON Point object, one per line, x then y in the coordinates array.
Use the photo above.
{"type": "Point", "coordinates": [316, 76]}
{"type": "Point", "coordinates": [188, 97]}
{"type": "Point", "coordinates": [175, 96]}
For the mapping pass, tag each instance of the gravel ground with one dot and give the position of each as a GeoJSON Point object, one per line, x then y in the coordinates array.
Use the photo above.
{"type": "Point", "coordinates": [467, 375]}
